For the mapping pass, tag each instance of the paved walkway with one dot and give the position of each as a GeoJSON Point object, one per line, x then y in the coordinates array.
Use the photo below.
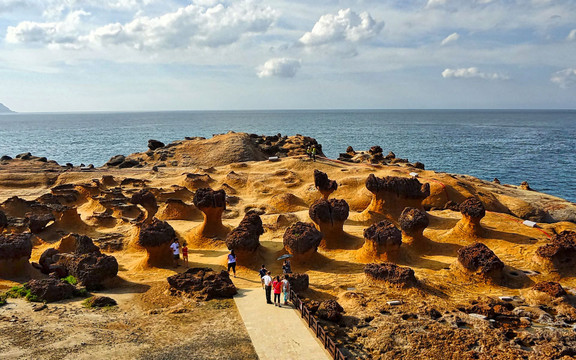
{"type": "Point", "coordinates": [276, 333]}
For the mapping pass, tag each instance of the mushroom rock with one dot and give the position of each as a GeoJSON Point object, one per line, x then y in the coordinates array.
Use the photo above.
{"type": "Point", "coordinates": [245, 239]}
{"type": "Point", "coordinates": [324, 185]}
{"type": "Point", "coordinates": [472, 211]}
{"type": "Point", "coordinates": [413, 222]}
{"type": "Point", "coordinates": [560, 253]}
{"type": "Point", "coordinates": [301, 240]}
{"type": "Point", "coordinates": [298, 282]}
{"type": "Point", "coordinates": [37, 223]}
{"type": "Point", "coordinates": [212, 203]}
{"type": "Point", "coordinates": [329, 217]}
{"type": "Point", "coordinates": [15, 251]}
{"type": "Point", "coordinates": [3, 220]}
{"type": "Point", "coordinates": [147, 200]}
{"type": "Point", "coordinates": [330, 310]}
{"type": "Point", "coordinates": [156, 238]}
{"type": "Point", "coordinates": [381, 241]}
{"type": "Point", "coordinates": [478, 259]}
{"type": "Point", "coordinates": [176, 209]}
{"type": "Point", "coordinates": [391, 194]}
{"type": "Point", "coordinates": [50, 290]}
{"type": "Point", "coordinates": [203, 283]}
{"type": "Point", "coordinates": [390, 274]}
{"type": "Point", "coordinates": [551, 288]}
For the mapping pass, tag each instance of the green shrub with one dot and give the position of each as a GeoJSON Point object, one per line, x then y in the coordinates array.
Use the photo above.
{"type": "Point", "coordinates": [17, 292]}
{"type": "Point", "coordinates": [82, 292]}
{"type": "Point", "coordinates": [70, 280]}
{"type": "Point", "coordinates": [3, 299]}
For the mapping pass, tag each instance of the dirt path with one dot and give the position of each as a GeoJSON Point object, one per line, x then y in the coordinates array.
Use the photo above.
{"type": "Point", "coordinates": [276, 333]}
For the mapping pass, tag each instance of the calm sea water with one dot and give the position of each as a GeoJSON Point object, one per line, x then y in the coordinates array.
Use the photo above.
{"type": "Point", "coordinates": [536, 146]}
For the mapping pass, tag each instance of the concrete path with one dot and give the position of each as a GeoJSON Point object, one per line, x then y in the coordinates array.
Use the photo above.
{"type": "Point", "coordinates": [277, 333]}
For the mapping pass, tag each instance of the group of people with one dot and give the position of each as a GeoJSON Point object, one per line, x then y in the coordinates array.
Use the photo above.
{"type": "Point", "coordinates": [311, 152]}
{"type": "Point", "coordinates": [175, 247]}
{"type": "Point", "coordinates": [279, 286]}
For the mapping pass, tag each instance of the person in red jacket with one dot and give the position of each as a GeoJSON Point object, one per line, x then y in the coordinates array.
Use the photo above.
{"type": "Point", "coordinates": [277, 286]}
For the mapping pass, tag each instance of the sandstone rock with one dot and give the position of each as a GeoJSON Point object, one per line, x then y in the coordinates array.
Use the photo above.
{"type": "Point", "coordinates": [298, 282]}
{"type": "Point", "coordinates": [245, 239]}
{"type": "Point", "coordinates": [302, 239]}
{"type": "Point", "coordinates": [478, 258]}
{"type": "Point", "coordinates": [156, 238]}
{"type": "Point", "coordinates": [50, 289]}
{"type": "Point", "coordinates": [329, 216]}
{"type": "Point", "coordinates": [524, 186]}
{"type": "Point", "coordinates": [155, 144]}
{"type": "Point", "coordinates": [323, 184]}
{"type": "Point", "coordinates": [212, 203]}
{"type": "Point", "coordinates": [176, 209]}
{"type": "Point", "coordinates": [90, 269]}
{"type": "Point", "coordinates": [47, 259]}
{"type": "Point", "coordinates": [381, 241]}
{"type": "Point", "coordinates": [129, 163]}
{"type": "Point", "coordinates": [551, 288]}
{"type": "Point", "coordinates": [451, 205]}
{"type": "Point", "coordinates": [413, 221]}
{"type": "Point", "coordinates": [561, 252]}
{"type": "Point", "coordinates": [147, 200]}
{"type": "Point", "coordinates": [330, 310]}
{"type": "Point", "coordinates": [15, 246]}
{"type": "Point", "coordinates": [203, 283]}
{"type": "Point", "coordinates": [391, 274]}
{"type": "Point", "coordinates": [100, 301]}
{"type": "Point", "coordinates": [37, 223]}
{"type": "Point", "coordinates": [116, 160]}
{"type": "Point", "coordinates": [472, 211]}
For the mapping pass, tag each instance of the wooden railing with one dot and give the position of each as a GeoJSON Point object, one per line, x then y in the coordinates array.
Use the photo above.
{"type": "Point", "coordinates": [325, 339]}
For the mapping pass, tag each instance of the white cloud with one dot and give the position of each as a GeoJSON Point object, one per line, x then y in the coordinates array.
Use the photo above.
{"type": "Point", "coordinates": [279, 67]}
{"type": "Point", "coordinates": [564, 78]}
{"type": "Point", "coordinates": [344, 26]}
{"type": "Point", "coordinates": [450, 38]}
{"type": "Point", "coordinates": [472, 72]}
{"type": "Point", "coordinates": [572, 35]}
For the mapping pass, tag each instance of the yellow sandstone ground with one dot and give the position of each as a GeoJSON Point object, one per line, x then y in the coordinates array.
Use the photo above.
{"type": "Point", "coordinates": [150, 323]}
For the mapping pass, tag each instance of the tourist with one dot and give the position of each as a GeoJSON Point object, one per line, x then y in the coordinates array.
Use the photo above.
{"type": "Point", "coordinates": [268, 286]}
{"type": "Point", "coordinates": [286, 289]}
{"type": "Point", "coordinates": [175, 246]}
{"type": "Point", "coordinates": [309, 152]}
{"type": "Point", "coordinates": [262, 273]}
{"type": "Point", "coordinates": [313, 151]}
{"type": "Point", "coordinates": [286, 267]}
{"type": "Point", "coordinates": [232, 262]}
{"type": "Point", "coordinates": [277, 285]}
{"type": "Point", "coordinates": [185, 253]}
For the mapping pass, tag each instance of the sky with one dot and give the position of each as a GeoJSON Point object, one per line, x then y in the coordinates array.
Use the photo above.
{"type": "Point", "coordinates": [147, 55]}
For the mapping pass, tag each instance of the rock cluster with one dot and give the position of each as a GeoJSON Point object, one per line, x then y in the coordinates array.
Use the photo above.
{"type": "Point", "coordinates": [203, 283]}
{"type": "Point", "coordinates": [381, 241]}
{"type": "Point", "coordinates": [324, 185]}
{"type": "Point", "coordinates": [302, 240]}
{"type": "Point", "coordinates": [373, 156]}
{"type": "Point", "coordinates": [329, 217]}
{"type": "Point", "coordinates": [561, 252]}
{"type": "Point", "coordinates": [390, 274]}
{"type": "Point", "coordinates": [245, 239]}
{"type": "Point", "coordinates": [551, 288]}
{"type": "Point", "coordinates": [479, 259]}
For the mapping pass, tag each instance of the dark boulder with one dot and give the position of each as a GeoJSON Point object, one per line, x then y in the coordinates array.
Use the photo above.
{"type": "Point", "coordinates": [479, 258]}
{"type": "Point", "coordinates": [330, 310]}
{"type": "Point", "coordinates": [472, 207]}
{"type": "Point", "coordinates": [48, 258]}
{"type": "Point", "coordinates": [413, 220]}
{"type": "Point", "coordinates": [85, 245]}
{"type": "Point", "coordinates": [298, 282]}
{"type": "Point", "coordinates": [329, 211]}
{"type": "Point", "coordinates": [451, 205]}
{"type": "Point", "coordinates": [115, 160]}
{"type": "Point", "coordinates": [37, 223]}
{"type": "Point", "coordinates": [405, 187]}
{"type": "Point", "coordinates": [50, 290]}
{"type": "Point", "coordinates": [384, 234]}
{"type": "Point", "coordinates": [246, 237]}
{"type": "Point", "coordinates": [129, 163]}
{"type": "Point", "coordinates": [551, 288]}
{"type": "Point", "coordinates": [391, 273]}
{"type": "Point", "coordinates": [156, 233]}
{"type": "Point", "coordinates": [208, 198]}
{"type": "Point", "coordinates": [15, 246]}
{"type": "Point", "coordinates": [100, 301]}
{"type": "Point", "coordinates": [155, 144]}
{"type": "Point", "coordinates": [91, 269]}
{"type": "Point", "coordinates": [3, 220]}
{"type": "Point", "coordinates": [203, 283]}
{"type": "Point", "coordinates": [302, 238]}
{"type": "Point", "coordinates": [5, 158]}
{"type": "Point", "coordinates": [323, 184]}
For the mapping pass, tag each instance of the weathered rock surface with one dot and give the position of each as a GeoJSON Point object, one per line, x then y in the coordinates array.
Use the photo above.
{"type": "Point", "coordinates": [391, 274]}
{"type": "Point", "coordinates": [478, 258]}
{"type": "Point", "coordinates": [302, 239]}
{"type": "Point", "coordinates": [324, 185]}
{"type": "Point", "coordinates": [155, 144]}
{"type": "Point", "coordinates": [381, 240]}
{"type": "Point", "coordinates": [561, 252]}
{"type": "Point", "coordinates": [91, 269]}
{"type": "Point", "coordinates": [51, 289]}
{"type": "Point", "coordinates": [298, 282]}
{"type": "Point", "coordinates": [15, 246]}
{"type": "Point", "coordinates": [147, 200]}
{"type": "Point", "coordinates": [413, 222]}
{"type": "Point", "coordinates": [329, 217]}
{"type": "Point", "coordinates": [203, 283]}
{"type": "Point", "coordinates": [330, 310]}
{"type": "Point", "coordinates": [551, 288]}
{"type": "Point", "coordinates": [100, 301]}
{"type": "Point", "coordinates": [245, 238]}
{"type": "Point", "coordinates": [3, 220]}
{"type": "Point", "coordinates": [155, 234]}
{"type": "Point", "coordinates": [212, 203]}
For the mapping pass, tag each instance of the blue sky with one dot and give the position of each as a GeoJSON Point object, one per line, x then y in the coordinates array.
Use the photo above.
{"type": "Point", "coordinates": [125, 55]}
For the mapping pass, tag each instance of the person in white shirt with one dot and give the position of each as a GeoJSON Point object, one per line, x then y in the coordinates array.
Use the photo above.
{"type": "Point", "coordinates": [175, 246]}
{"type": "Point", "coordinates": [267, 279]}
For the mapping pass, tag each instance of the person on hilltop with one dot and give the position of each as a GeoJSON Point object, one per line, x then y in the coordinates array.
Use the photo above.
{"type": "Point", "coordinates": [286, 267]}
{"type": "Point", "coordinates": [313, 151]}
{"type": "Point", "coordinates": [185, 254]}
{"type": "Point", "coordinates": [277, 286]}
{"type": "Point", "coordinates": [232, 262]}
{"type": "Point", "coordinates": [175, 247]}
{"type": "Point", "coordinates": [286, 289]}
{"type": "Point", "coordinates": [267, 279]}
{"type": "Point", "coordinates": [263, 271]}
{"type": "Point", "coordinates": [309, 152]}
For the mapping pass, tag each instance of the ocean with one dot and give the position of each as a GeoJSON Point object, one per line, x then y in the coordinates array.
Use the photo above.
{"type": "Point", "coordinates": [512, 145]}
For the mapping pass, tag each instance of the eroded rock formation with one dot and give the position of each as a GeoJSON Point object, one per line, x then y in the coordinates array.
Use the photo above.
{"type": "Point", "coordinates": [50, 290]}
{"type": "Point", "coordinates": [560, 253]}
{"type": "Point", "coordinates": [390, 274]}
{"type": "Point", "coordinates": [212, 203]}
{"type": "Point", "coordinates": [479, 260]}
{"type": "Point", "coordinates": [551, 288]}
{"type": "Point", "coordinates": [330, 310]}
{"type": "Point", "coordinates": [329, 217]}
{"type": "Point", "coordinates": [472, 211]}
{"type": "Point", "coordinates": [245, 239]}
{"type": "Point", "coordinates": [203, 283]}
{"type": "Point", "coordinates": [381, 241]}
{"type": "Point", "coordinates": [15, 251]}
{"type": "Point", "coordinates": [324, 185]}
{"type": "Point", "coordinates": [156, 238]}
{"type": "Point", "coordinates": [413, 222]}
{"type": "Point", "coordinates": [147, 200]}
{"type": "Point", "coordinates": [176, 209]}
{"type": "Point", "coordinates": [302, 240]}
{"type": "Point", "coordinates": [298, 282]}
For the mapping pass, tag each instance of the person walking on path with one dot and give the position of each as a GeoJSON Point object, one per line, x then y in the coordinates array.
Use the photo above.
{"type": "Point", "coordinates": [262, 273]}
{"type": "Point", "coordinates": [277, 285]}
{"type": "Point", "coordinates": [175, 247]}
{"type": "Point", "coordinates": [232, 262]}
{"type": "Point", "coordinates": [185, 254]}
{"type": "Point", "coordinates": [286, 289]}
{"type": "Point", "coordinates": [314, 152]}
{"type": "Point", "coordinates": [268, 286]}
{"type": "Point", "coordinates": [286, 267]}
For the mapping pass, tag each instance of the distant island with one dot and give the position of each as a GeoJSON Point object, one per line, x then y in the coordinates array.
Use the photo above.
{"type": "Point", "coordinates": [4, 109]}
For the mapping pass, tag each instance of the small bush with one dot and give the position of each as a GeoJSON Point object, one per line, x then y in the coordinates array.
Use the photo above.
{"type": "Point", "coordinates": [70, 280]}
{"type": "Point", "coordinates": [82, 292]}
{"type": "Point", "coordinates": [3, 299]}
{"type": "Point", "coordinates": [17, 292]}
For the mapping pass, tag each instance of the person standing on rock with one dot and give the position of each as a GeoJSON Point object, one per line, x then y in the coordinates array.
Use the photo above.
{"type": "Point", "coordinates": [175, 252]}
{"type": "Point", "coordinates": [263, 271]}
{"type": "Point", "coordinates": [286, 289]}
{"type": "Point", "coordinates": [185, 254]}
{"type": "Point", "coordinates": [313, 152]}
{"type": "Point", "coordinates": [232, 262]}
{"type": "Point", "coordinates": [277, 285]}
{"type": "Point", "coordinates": [268, 286]}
